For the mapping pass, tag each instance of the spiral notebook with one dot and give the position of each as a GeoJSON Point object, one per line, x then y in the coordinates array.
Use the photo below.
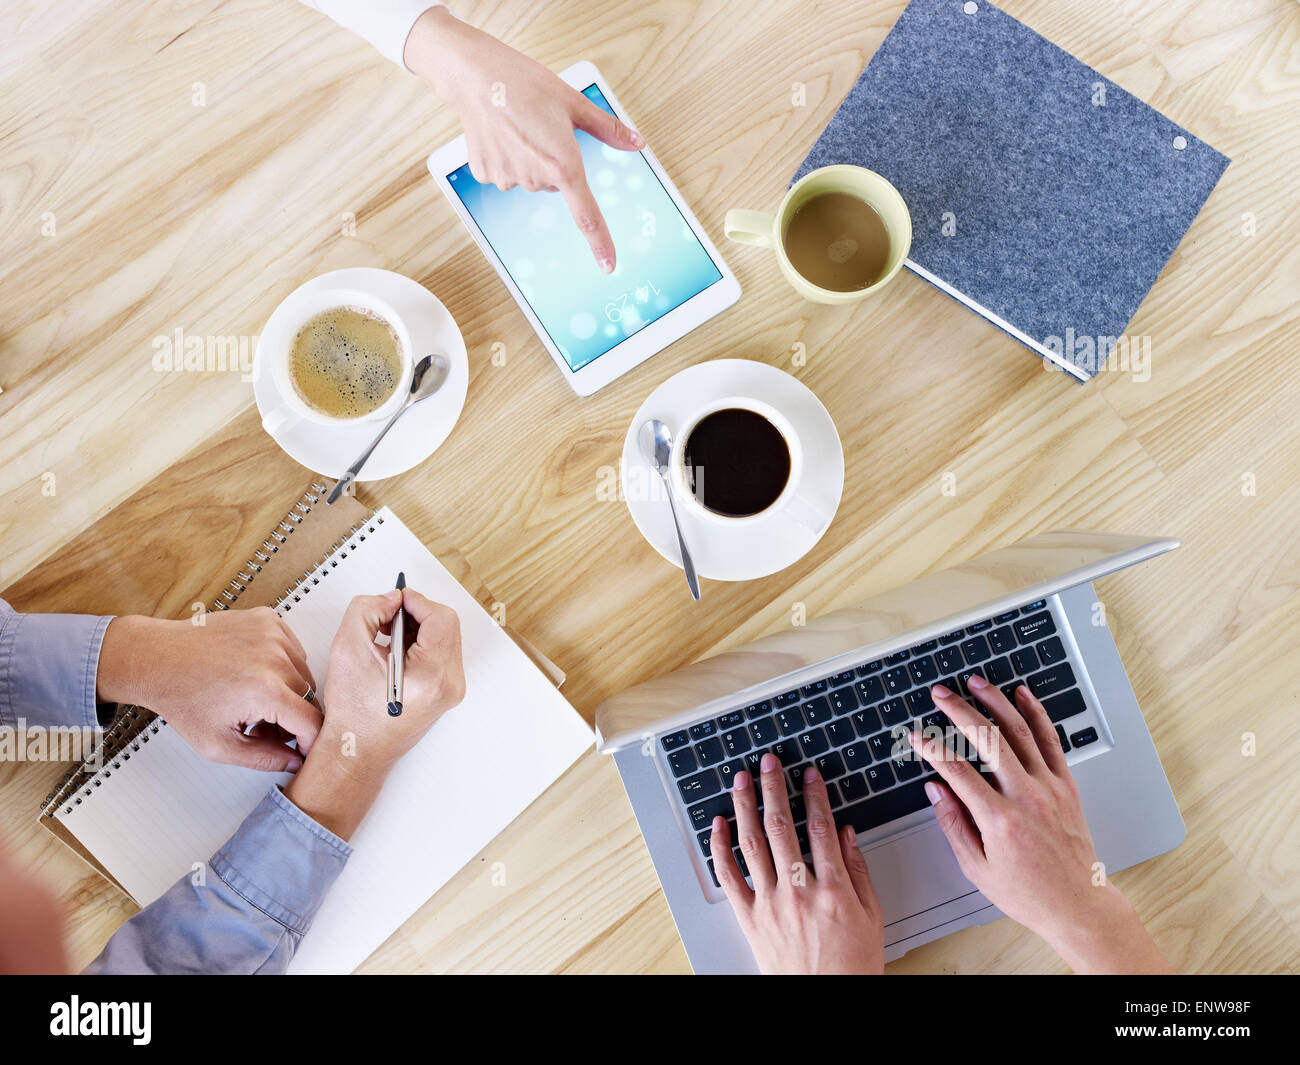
{"type": "Point", "coordinates": [154, 811]}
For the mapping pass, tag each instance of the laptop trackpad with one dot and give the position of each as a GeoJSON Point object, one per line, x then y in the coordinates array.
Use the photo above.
{"type": "Point", "coordinates": [916, 873]}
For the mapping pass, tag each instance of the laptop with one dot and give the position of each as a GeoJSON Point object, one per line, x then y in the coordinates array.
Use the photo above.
{"type": "Point", "coordinates": [832, 692]}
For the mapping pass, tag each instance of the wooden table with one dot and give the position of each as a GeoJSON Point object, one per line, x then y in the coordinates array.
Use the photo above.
{"type": "Point", "coordinates": [184, 166]}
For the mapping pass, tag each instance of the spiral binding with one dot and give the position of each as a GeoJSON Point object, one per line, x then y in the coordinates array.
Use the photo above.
{"type": "Point", "coordinates": [337, 552]}
{"type": "Point", "coordinates": [128, 733]}
{"type": "Point", "coordinates": [279, 535]}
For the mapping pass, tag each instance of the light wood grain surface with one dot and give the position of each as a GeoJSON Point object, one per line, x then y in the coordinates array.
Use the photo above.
{"type": "Point", "coordinates": [185, 165]}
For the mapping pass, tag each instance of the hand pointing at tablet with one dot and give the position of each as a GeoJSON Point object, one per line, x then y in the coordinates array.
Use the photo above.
{"type": "Point", "coordinates": [519, 118]}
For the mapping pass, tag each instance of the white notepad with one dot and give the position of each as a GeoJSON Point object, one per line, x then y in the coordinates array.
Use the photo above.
{"type": "Point", "coordinates": [164, 810]}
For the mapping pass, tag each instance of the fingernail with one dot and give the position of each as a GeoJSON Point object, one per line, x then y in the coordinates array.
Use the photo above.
{"type": "Point", "coordinates": [638, 140]}
{"type": "Point", "coordinates": [810, 774]}
{"type": "Point", "coordinates": [933, 793]}
{"type": "Point", "coordinates": [294, 765]}
{"type": "Point", "coordinates": [976, 681]}
{"type": "Point", "coordinates": [742, 781]}
{"type": "Point", "coordinates": [718, 822]}
{"type": "Point", "coordinates": [915, 739]}
{"type": "Point", "coordinates": [940, 692]}
{"type": "Point", "coordinates": [853, 836]}
{"type": "Point", "coordinates": [768, 764]}
{"type": "Point", "coordinates": [606, 265]}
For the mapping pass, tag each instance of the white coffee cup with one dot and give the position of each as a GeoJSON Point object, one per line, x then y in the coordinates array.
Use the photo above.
{"type": "Point", "coordinates": [276, 344]}
{"type": "Point", "coordinates": [793, 502]}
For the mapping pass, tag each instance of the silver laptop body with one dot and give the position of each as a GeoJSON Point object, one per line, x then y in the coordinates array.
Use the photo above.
{"type": "Point", "coordinates": [1127, 800]}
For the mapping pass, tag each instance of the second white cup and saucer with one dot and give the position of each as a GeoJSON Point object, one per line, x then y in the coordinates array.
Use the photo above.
{"type": "Point", "coordinates": [726, 547]}
{"type": "Point", "coordinates": [326, 445]}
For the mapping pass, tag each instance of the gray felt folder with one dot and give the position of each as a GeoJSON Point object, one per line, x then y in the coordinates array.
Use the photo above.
{"type": "Point", "coordinates": [1043, 196]}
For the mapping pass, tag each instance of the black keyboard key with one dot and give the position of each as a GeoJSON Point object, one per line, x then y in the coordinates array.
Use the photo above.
{"type": "Point", "coordinates": [893, 712]}
{"type": "Point", "coordinates": [709, 751]}
{"type": "Point", "coordinates": [918, 702]}
{"type": "Point", "coordinates": [881, 746]}
{"type": "Point", "coordinates": [870, 667]}
{"type": "Point", "coordinates": [1034, 627]}
{"type": "Point", "coordinates": [796, 773]}
{"type": "Point", "coordinates": [682, 762]}
{"type": "Point", "coordinates": [1060, 735]}
{"type": "Point", "coordinates": [1009, 690]}
{"type": "Point", "coordinates": [866, 721]}
{"type": "Point", "coordinates": [817, 711]}
{"type": "Point", "coordinates": [736, 742]}
{"type": "Point", "coordinates": [1024, 661]}
{"type": "Point", "coordinates": [713, 873]}
{"type": "Point", "coordinates": [922, 670]}
{"type": "Point", "coordinates": [949, 659]}
{"type": "Point", "coordinates": [840, 732]}
{"type": "Point", "coordinates": [979, 626]}
{"type": "Point", "coordinates": [731, 720]}
{"type": "Point", "coordinates": [1051, 680]}
{"type": "Point", "coordinates": [879, 776]}
{"type": "Point", "coordinates": [789, 721]}
{"type": "Point", "coordinates": [727, 772]}
{"type": "Point", "coordinates": [704, 728]}
{"type": "Point", "coordinates": [1067, 704]}
{"type": "Point", "coordinates": [935, 719]}
{"type": "Point", "coordinates": [813, 743]}
{"type": "Point", "coordinates": [881, 809]}
{"type": "Point", "coordinates": [854, 787]}
{"type": "Point", "coordinates": [740, 861]}
{"type": "Point", "coordinates": [758, 710]}
{"type": "Point", "coordinates": [906, 767]}
{"type": "Point", "coordinates": [787, 753]}
{"type": "Point", "coordinates": [753, 760]}
{"type": "Point", "coordinates": [998, 671]}
{"type": "Point", "coordinates": [797, 811]}
{"type": "Point", "coordinates": [870, 691]}
{"type": "Point", "coordinates": [842, 678]}
{"type": "Point", "coordinates": [700, 786]}
{"type": "Point", "coordinates": [1003, 640]}
{"type": "Point", "coordinates": [857, 755]}
{"type": "Point", "coordinates": [817, 687]}
{"type": "Point", "coordinates": [1037, 604]}
{"type": "Point", "coordinates": [788, 699]}
{"type": "Point", "coordinates": [830, 766]}
{"type": "Point", "coordinates": [896, 680]}
{"type": "Point", "coordinates": [895, 658]}
{"type": "Point", "coordinates": [953, 637]}
{"type": "Point", "coordinates": [976, 650]}
{"type": "Point", "coordinates": [963, 679]}
{"type": "Point", "coordinates": [1010, 615]}
{"type": "Point", "coordinates": [833, 796]}
{"type": "Point", "coordinates": [1083, 737]}
{"type": "Point", "coordinates": [763, 731]}
{"type": "Point", "coordinates": [843, 700]}
{"type": "Point", "coordinates": [675, 739]}
{"type": "Point", "coordinates": [705, 838]}
{"type": "Point", "coordinates": [1051, 651]}
{"type": "Point", "coordinates": [925, 648]}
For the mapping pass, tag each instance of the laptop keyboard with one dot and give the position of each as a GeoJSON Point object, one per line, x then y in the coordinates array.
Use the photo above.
{"type": "Point", "coordinates": [850, 725]}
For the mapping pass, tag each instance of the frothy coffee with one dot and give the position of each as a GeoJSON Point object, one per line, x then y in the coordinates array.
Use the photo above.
{"type": "Point", "coordinates": [345, 362]}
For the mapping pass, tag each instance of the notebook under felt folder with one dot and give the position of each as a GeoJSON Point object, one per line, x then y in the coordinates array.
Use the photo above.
{"type": "Point", "coordinates": [1043, 196]}
{"type": "Point", "coordinates": [155, 809]}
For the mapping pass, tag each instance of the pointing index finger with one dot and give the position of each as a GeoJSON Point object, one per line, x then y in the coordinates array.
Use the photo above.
{"type": "Point", "coordinates": [590, 222]}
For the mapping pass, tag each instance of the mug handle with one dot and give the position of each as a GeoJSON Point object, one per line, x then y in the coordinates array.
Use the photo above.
{"type": "Point", "coordinates": [807, 515]}
{"type": "Point", "coordinates": [750, 227]}
{"type": "Point", "coordinates": [277, 421]}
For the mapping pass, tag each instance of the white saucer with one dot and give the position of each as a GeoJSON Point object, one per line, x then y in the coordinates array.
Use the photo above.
{"type": "Point", "coordinates": [422, 429]}
{"type": "Point", "coordinates": [756, 547]}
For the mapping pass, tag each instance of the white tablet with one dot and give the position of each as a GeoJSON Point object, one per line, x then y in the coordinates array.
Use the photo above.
{"type": "Point", "coordinates": [669, 277]}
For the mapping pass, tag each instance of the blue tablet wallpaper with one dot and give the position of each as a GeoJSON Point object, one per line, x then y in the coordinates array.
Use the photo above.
{"type": "Point", "coordinates": [660, 262]}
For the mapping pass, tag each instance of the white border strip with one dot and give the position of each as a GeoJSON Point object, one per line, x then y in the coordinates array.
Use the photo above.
{"type": "Point", "coordinates": [984, 312]}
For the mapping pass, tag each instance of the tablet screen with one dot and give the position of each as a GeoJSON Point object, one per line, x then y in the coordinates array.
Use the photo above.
{"type": "Point", "coordinates": [660, 262]}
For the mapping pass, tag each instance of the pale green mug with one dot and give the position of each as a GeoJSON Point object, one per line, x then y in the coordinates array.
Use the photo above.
{"type": "Point", "coordinates": [768, 230]}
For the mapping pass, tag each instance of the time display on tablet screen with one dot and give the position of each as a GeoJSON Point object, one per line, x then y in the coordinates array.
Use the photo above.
{"type": "Point", "coordinates": [660, 262]}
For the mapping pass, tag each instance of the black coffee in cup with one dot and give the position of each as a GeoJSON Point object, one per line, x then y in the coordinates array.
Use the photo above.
{"type": "Point", "coordinates": [737, 462]}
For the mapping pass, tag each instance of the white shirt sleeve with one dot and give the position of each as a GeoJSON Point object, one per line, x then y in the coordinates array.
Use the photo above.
{"type": "Point", "coordinates": [384, 23]}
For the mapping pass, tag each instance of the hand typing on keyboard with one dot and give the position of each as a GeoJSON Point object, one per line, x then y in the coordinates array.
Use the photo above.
{"type": "Point", "coordinates": [1019, 833]}
{"type": "Point", "coordinates": [824, 919]}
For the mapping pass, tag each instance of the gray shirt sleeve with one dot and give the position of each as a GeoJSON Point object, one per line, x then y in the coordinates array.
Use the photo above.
{"type": "Point", "coordinates": [246, 910]}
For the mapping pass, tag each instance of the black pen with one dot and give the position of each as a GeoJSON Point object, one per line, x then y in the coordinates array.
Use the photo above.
{"type": "Point", "coordinates": [396, 655]}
